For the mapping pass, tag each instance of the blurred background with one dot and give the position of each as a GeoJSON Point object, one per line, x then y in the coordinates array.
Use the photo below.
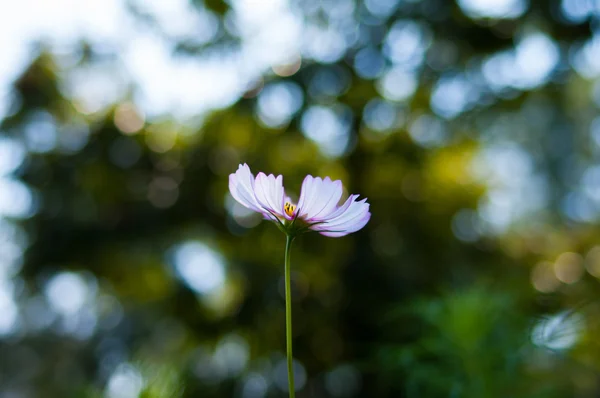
{"type": "Point", "coordinates": [127, 270]}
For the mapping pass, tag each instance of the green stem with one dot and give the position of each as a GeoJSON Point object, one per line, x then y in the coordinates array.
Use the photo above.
{"type": "Point", "coordinates": [288, 316]}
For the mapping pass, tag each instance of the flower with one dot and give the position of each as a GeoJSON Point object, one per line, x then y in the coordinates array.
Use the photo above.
{"type": "Point", "coordinates": [317, 209]}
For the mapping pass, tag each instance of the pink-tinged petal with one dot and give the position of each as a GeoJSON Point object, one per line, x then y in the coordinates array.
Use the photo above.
{"type": "Point", "coordinates": [313, 197]}
{"type": "Point", "coordinates": [318, 198]}
{"type": "Point", "coordinates": [345, 218]}
{"type": "Point", "coordinates": [329, 195]}
{"type": "Point", "coordinates": [306, 193]}
{"type": "Point", "coordinates": [269, 193]}
{"type": "Point", "coordinates": [241, 187]}
{"type": "Point", "coordinates": [358, 225]}
{"type": "Point", "coordinates": [348, 218]}
{"type": "Point", "coordinates": [342, 209]}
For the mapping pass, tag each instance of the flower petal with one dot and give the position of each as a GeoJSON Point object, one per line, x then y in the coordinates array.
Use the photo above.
{"type": "Point", "coordinates": [327, 200]}
{"type": "Point", "coordinates": [241, 187]}
{"type": "Point", "coordinates": [342, 209]}
{"type": "Point", "coordinates": [359, 224]}
{"type": "Point", "coordinates": [348, 218]}
{"type": "Point", "coordinates": [269, 193]}
{"type": "Point", "coordinates": [306, 193]}
{"type": "Point", "coordinates": [318, 198]}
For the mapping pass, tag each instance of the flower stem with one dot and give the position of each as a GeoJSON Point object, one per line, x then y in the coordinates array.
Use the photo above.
{"type": "Point", "coordinates": [288, 316]}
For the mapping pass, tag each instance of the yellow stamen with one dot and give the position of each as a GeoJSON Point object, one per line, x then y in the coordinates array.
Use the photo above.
{"type": "Point", "coordinates": [289, 209]}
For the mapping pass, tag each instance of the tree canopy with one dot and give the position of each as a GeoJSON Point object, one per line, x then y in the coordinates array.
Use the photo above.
{"type": "Point", "coordinates": [472, 126]}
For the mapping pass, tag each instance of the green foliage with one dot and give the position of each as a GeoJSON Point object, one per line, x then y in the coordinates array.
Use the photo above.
{"type": "Point", "coordinates": [471, 343]}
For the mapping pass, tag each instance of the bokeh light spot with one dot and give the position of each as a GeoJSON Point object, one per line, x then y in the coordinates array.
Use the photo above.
{"type": "Point", "coordinates": [281, 379]}
{"type": "Point", "coordinates": [380, 115]}
{"type": "Point", "coordinates": [278, 102]}
{"type": "Point", "coordinates": [128, 118]}
{"type": "Point", "coordinates": [543, 277]}
{"type": "Point", "coordinates": [569, 267]}
{"type": "Point", "coordinates": [67, 293]}
{"type": "Point", "coordinates": [494, 8]}
{"type": "Point", "coordinates": [342, 381]}
{"type": "Point", "coordinates": [200, 267]}
{"type": "Point", "coordinates": [397, 84]}
{"type": "Point", "coordinates": [592, 261]}
{"type": "Point", "coordinates": [125, 382]}
{"type": "Point", "coordinates": [12, 155]}
{"type": "Point", "coordinates": [328, 127]}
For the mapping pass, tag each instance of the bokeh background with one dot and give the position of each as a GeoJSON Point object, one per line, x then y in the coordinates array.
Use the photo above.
{"type": "Point", "coordinates": [127, 270]}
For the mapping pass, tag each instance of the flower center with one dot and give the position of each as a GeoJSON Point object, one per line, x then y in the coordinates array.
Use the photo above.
{"type": "Point", "coordinates": [289, 209]}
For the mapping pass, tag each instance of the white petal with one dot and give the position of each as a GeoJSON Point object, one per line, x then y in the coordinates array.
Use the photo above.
{"type": "Point", "coordinates": [241, 187]}
{"type": "Point", "coordinates": [269, 193]}
{"type": "Point", "coordinates": [348, 218]}
{"type": "Point", "coordinates": [305, 195]}
{"type": "Point", "coordinates": [318, 198]}
{"type": "Point", "coordinates": [328, 196]}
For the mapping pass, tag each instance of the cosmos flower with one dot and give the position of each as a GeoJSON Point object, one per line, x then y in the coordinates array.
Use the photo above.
{"type": "Point", "coordinates": [318, 208]}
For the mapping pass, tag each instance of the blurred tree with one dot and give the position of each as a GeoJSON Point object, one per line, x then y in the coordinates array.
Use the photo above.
{"type": "Point", "coordinates": [471, 126]}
